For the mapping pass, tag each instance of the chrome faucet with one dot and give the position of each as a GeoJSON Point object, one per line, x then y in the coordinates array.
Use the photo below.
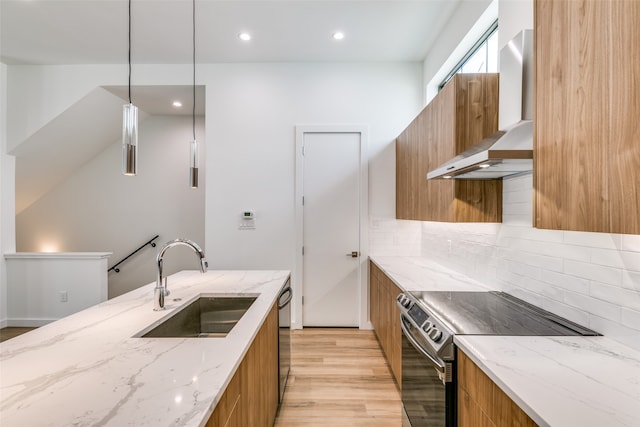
{"type": "Point", "coordinates": [161, 291]}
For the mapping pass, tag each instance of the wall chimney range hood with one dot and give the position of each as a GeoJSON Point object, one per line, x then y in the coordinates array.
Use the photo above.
{"type": "Point", "coordinates": [509, 151]}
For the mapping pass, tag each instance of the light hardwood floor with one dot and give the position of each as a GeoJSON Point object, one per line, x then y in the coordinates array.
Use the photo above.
{"type": "Point", "coordinates": [10, 332]}
{"type": "Point", "coordinates": [339, 377]}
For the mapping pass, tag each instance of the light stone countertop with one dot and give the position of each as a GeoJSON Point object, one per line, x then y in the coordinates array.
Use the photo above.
{"type": "Point", "coordinates": [563, 381]}
{"type": "Point", "coordinates": [421, 274]}
{"type": "Point", "coordinates": [87, 369]}
{"type": "Point", "coordinates": [557, 381]}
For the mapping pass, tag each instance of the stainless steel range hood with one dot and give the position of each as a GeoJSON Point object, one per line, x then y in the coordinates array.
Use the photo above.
{"type": "Point", "coordinates": [509, 151]}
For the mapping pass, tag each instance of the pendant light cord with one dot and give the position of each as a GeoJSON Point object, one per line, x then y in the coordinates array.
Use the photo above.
{"type": "Point", "coordinates": [194, 71]}
{"type": "Point", "coordinates": [130, 52]}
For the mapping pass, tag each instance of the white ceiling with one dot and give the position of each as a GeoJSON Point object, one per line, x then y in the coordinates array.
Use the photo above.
{"type": "Point", "coordinates": [95, 31]}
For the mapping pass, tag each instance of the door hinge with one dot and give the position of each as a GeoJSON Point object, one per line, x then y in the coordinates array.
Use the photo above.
{"type": "Point", "coordinates": [303, 150]}
{"type": "Point", "coordinates": [303, 250]}
{"type": "Point", "coordinates": [302, 200]}
{"type": "Point", "coordinates": [302, 299]}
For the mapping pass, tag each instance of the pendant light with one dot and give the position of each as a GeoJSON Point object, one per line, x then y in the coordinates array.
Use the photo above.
{"type": "Point", "coordinates": [129, 126]}
{"type": "Point", "coordinates": [193, 157]}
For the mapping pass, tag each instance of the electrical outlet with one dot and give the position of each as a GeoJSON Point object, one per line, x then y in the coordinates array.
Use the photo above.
{"type": "Point", "coordinates": [64, 296]}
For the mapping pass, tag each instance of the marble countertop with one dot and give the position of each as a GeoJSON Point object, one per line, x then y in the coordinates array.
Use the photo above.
{"type": "Point", "coordinates": [557, 381]}
{"type": "Point", "coordinates": [563, 381]}
{"type": "Point", "coordinates": [87, 369]}
{"type": "Point", "coordinates": [421, 274]}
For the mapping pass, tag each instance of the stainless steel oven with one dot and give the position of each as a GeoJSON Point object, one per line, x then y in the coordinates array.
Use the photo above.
{"type": "Point", "coordinates": [429, 322]}
{"type": "Point", "coordinates": [284, 336]}
{"type": "Point", "coordinates": [428, 378]}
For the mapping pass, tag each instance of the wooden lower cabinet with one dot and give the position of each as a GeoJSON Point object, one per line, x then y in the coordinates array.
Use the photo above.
{"type": "Point", "coordinates": [385, 318]}
{"type": "Point", "coordinates": [228, 411]}
{"type": "Point", "coordinates": [251, 398]}
{"type": "Point", "coordinates": [481, 403]}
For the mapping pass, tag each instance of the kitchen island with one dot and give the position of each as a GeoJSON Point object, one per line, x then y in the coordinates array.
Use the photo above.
{"type": "Point", "coordinates": [90, 369]}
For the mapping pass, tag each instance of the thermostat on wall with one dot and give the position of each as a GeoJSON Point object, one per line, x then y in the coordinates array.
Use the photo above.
{"type": "Point", "coordinates": [248, 221]}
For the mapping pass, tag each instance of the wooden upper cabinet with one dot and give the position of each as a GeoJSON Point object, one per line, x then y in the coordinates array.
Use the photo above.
{"type": "Point", "coordinates": [587, 110]}
{"type": "Point", "coordinates": [461, 115]}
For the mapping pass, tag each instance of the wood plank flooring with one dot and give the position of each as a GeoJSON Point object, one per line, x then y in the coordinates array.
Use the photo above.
{"type": "Point", "coordinates": [339, 377]}
{"type": "Point", "coordinates": [11, 332]}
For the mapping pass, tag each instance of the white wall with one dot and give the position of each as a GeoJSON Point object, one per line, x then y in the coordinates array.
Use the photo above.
{"type": "Point", "coordinates": [3, 138]}
{"type": "Point", "coordinates": [252, 111]}
{"type": "Point", "coordinates": [42, 288]}
{"type": "Point", "coordinates": [99, 210]}
{"type": "Point", "coordinates": [7, 172]}
{"type": "Point", "coordinates": [513, 17]}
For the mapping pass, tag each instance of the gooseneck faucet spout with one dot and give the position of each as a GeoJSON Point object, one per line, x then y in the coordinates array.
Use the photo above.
{"type": "Point", "coordinates": [160, 291]}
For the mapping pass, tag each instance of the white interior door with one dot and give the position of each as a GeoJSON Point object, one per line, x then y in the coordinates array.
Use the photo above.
{"type": "Point", "coordinates": [331, 228]}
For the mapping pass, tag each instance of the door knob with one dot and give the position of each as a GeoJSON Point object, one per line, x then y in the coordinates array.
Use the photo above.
{"type": "Point", "coordinates": [354, 254]}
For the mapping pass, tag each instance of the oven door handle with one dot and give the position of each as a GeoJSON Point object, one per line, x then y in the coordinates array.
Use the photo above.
{"type": "Point", "coordinates": [440, 366]}
{"type": "Point", "coordinates": [286, 291]}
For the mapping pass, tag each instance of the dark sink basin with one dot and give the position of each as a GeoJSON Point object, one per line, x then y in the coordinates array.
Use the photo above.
{"type": "Point", "coordinates": [206, 317]}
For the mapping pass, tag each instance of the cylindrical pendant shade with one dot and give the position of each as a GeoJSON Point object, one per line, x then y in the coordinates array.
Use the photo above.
{"type": "Point", "coordinates": [129, 139]}
{"type": "Point", "coordinates": [193, 160]}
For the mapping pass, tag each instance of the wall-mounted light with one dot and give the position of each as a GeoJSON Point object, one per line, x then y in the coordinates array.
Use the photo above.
{"type": "Point", "coordinates": [49, 247]}
{"type": "Point", "coordinates": [129, 126]}
{"type": "Point", "coordinates": [193, 157]}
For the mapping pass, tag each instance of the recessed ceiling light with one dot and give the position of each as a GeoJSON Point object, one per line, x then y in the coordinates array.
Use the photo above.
{"type": "Point", "coordinates": [338, 35]}
{"type": "Point", "coordinates": [484, 166]}
{"type": "Point", "coordinates": [244, 36]}
{"type": "Point", "coordinates": [177, 104]}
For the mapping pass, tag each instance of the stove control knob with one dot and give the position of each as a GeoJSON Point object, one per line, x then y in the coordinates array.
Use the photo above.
{"type": "Point", "coordinates": [435, 334]}
{"type": "Point", "coordinates": [427, 325]}
{"type": "Point", "coordinates": [404, 301]}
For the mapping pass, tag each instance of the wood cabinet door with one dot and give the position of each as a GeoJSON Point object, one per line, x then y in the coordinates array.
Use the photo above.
{"type": "Point", "coordinates": [395, 334]}
{"type": "Point", "coordinates": [586, 130]}
{"type": "Point", "coordinates": [460, 116]}
{"type": "Point", "coordinates": [624, 145]}
{"type": "Point", "coordinates": [385, 318]}
{"type": "Point", "coordinates": [481, 402]}
{"type": "Point", "coordinates": [374, 296]}
{"type": "Point", "coordinates": [259, 391]}
{"type": "Point", "coordinates": [251, 398]}
{"type": "Point", "coordinates": [226, 411]}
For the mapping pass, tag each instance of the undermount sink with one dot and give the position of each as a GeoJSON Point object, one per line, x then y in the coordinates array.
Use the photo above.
{"type": "Point", "coordinates": [206, 317]}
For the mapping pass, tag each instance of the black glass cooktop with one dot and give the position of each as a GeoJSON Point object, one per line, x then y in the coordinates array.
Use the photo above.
{"type": "Point", "coordinates": [495, 313]}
